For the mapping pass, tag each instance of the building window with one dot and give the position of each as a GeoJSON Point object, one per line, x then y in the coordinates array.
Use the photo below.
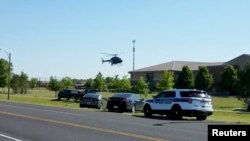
{"type": "Point", "coordinates": [149, 77]}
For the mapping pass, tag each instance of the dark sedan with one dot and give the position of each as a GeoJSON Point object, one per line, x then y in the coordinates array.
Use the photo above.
{"type": "Point", "coordinates": [93, 100]}
{"type": "Point", "coordinates": [122, 102]}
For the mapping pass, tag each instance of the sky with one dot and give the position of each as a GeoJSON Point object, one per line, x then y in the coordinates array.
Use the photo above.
{"type": "Point", "coordinates": [67, 37]}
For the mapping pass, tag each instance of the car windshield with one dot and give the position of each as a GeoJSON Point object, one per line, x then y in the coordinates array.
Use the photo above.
{"type": "Point", "coordinates": [194, 94]}
{"type": "Point", "coordinates": [122, 95]}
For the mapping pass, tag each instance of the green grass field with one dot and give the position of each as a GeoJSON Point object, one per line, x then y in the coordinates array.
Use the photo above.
{"type": "Point", "coordinates": [226, 109]}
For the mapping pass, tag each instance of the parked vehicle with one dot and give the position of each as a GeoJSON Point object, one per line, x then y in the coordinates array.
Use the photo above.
{"type": "Point", "coordinates": [95, 100]}
{"type": "Point", "coordinates": [178, 103]}
{"type": "Point", "coordinates": [122, 102]}
{"type": "Point", "coordinates": [69, 93]}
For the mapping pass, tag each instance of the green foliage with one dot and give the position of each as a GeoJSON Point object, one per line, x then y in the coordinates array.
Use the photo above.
{"type": "Point", "coordinates": [89, 83]}
{"type": "Point", "coordinates": [185, 79]}
{"type": "Point", "coordinates": [19, 83]}
{"type": "Point", "coordinates": [204, 80]}
{"type": "Point", "coordinates": [66, 83]}
{"type": "Point", "coordinates": [141, 87]}
{"type": "Point", "coordinates": [229, 78]}
{"type": "Point", "coordinates": [33, 83]}
{"type": "Point", "coordinates": [243, 83]}
{"type": "Point", "coordinates": [4, 68]}
{"type": "Point", "coordinates": [118, 85]}
{"type": "Point", "coordinates": [23, 85]}
{"type": "Point", "coordinates": [99, 82]}
{"type": "Point", "coordinates": [15, 83]}
{"type": "Point", "coordinates": [167, 81]}
{"type": "Point", "coordinates": [54, 84]}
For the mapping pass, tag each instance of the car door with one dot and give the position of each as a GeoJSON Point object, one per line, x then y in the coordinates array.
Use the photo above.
{"type": "Point", "coordinates": [163, 101]}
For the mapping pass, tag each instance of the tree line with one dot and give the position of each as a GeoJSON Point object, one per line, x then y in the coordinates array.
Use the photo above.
{"type": "Point", "coordinates": [232, 80]}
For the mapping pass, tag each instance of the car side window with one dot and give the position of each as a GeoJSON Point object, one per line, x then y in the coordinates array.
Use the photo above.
{"type": "Point", "coordinates": [160, 95]}
{"type": "Point", "coordinates": [169, 94]}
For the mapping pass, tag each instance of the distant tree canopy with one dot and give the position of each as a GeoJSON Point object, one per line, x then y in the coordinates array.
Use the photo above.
{"type": "Point", "coordinates": [204, 80]}
{"type": "Point", "coordinates": [89, 83]}
{"type": "Point", "coordinates": [167, 81]}
{"type": "Point", "coordinates": [19, 83]}
{"type": "Point", "coordinates": [4, 72]}
{"type": "Point", "coordinates": [54, 84]}
{"type": "Point", "coordinates": [66, 83]}
{"type": "Point", "coordinates": [243, 83]}
{"type": "Point", "coordinates": [185, 79]}
{"type": "Point", "coordinates": [99, 82]}
{"type": "Point", "coordinates": [33, 83]}
{"type": "Point", "coordinates": [229, 78]}
{"type": "Point", "coordinates": [141, 87]}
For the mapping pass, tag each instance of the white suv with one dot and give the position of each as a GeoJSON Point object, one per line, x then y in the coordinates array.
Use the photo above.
{"type": "Point", "coordinates": [178, 103]}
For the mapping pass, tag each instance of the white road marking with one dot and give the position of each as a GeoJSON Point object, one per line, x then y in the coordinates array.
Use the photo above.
{"type": "Point", "coordinates": [8, 137]}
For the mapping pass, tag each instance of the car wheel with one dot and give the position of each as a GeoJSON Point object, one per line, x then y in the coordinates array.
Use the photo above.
{"type": "Point", "coordinates": [81, 105]}
{"type": "Point", "coordinates": [201, 117]}
{"type": "Point", "coordinates": [110, 109]}
{"type": "Point", "coordinates": [59, 98]}
{"type": "Point", "coordinates": [147, 111]}
{"type": "Point", "coordinates": [248, 108]}
{"type": "Point", "coordinates": [176, 112]}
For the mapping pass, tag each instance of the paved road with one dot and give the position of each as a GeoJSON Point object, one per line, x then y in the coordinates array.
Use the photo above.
{"type": "Point", "coordinates": [26, 122]}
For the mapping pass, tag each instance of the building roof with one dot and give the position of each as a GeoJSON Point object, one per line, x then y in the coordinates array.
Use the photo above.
{"type": "Point", "coordinates": [240, 60]}
{"type": "Point", "coordinates": [177, 66]}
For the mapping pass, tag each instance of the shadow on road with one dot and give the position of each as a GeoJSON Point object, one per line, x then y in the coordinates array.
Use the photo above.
{"type": "Point", "coordinates": [171, 120]}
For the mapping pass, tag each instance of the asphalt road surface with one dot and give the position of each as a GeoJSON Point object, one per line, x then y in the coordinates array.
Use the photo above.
{"type": "Point", "coordinates": [26, 122]}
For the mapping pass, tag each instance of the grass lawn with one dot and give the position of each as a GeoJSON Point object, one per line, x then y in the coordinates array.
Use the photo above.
{"type": "Point", "coordinates": [226, 109]}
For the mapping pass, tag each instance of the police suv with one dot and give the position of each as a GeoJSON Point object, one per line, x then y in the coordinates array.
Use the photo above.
{"type": "Point", "coordinates": [178, 103]}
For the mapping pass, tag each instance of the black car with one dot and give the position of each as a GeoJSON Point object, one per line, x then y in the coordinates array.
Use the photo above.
{"type": "Point", "coordinates": [93, 100]}
{"type": "Point", "coordinates": [122, 102]}
{"type": "Point", "coordinates": [69, 93]}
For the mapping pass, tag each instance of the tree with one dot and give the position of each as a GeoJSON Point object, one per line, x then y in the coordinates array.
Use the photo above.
{"type": "Point", "coordinates": [243, 83]}
{"type": "Point", "coordinates": [99, 82]}
{"type": "Point", "coordinates": [23, 85]}
{"type": "Point", "coordinates": [124, 84]}
{"type": "Point", "coordinates": [15, 83]}
{"type": "Point", "coordinates": [33, 83]}
{"type": "Point", "coordinates": [141, 87]}
{"type": "Point", "coordinates": [89, 83]}
{"type": "Point", "coordinates": [185, 79]}
{"type": "Point", "coordinates": [4, 72]}
{"type": "Point", "coordinates": [229, 78]}
{"type": "Point", "coordinates": [66, 83]}
{"type": "Point", "coordinates": [167, 81]}
{"type": "Point", "coordinates": [54, 85]}
{"type": "Point", "coordinates": [204, 80]}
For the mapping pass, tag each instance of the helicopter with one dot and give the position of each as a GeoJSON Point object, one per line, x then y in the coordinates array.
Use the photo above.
{"type": "Point", "coordinates": [113, 60]}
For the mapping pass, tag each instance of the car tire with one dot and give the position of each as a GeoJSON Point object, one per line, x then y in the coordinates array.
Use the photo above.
{"type": "Point", "coordinates": [110, 110]}
{"type": "Point", "coordinates": [248, 107]}
{"type": "Point", "coordinates": [81, 105]}
{"type": "Point", "coordinates": [176, 112]}
{"type": "Point", "coordinates": [147, 111]}
{"type": "Point", "coordinates": [201, 117]}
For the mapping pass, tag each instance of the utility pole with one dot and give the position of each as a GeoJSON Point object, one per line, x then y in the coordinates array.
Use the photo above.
{"type": "Point", "coordinates": [9, 76]}
{"type": "Point", "coordinates": [133, 54]}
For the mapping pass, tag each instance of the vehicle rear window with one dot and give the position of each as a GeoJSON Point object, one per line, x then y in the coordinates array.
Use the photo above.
{"type": "Point", "coordinates": [91, 95]}
{"type": "Point", "coordinates": [193, 94]}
